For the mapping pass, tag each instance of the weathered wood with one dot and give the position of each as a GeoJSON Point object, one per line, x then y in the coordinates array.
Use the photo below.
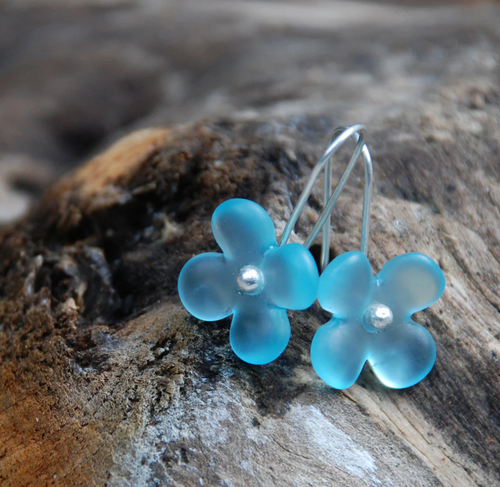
{"type": "Point", "coordinates": [106, 380]}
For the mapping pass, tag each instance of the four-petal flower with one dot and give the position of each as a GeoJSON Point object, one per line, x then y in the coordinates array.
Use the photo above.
{"type": "Point", "coordinates": [372, 320]}
{"type": "Point", "coordinates": [253, 279]}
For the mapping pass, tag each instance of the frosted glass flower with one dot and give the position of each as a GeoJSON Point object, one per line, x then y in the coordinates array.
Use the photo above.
{"type": "Point", "coordinates": [253, 279]}
{"type": "Point", "coordinates": [372, 320]}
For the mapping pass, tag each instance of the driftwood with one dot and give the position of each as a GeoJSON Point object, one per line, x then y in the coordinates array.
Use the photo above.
{"type": "Point", "coordinates": [105, 379]}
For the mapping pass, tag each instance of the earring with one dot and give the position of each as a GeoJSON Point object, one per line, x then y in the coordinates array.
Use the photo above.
{"type": "Point", "coordinates": [372, 315]}
{"type": "Point", "coordinates": [255, 279]}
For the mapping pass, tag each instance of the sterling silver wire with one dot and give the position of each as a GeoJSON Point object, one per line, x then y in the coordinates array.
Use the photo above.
{"type": "Point", "coordinates": [338, 139]}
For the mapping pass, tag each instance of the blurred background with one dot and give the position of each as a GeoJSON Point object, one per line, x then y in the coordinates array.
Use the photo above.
{"type": "Point", "coordinates": [76, 75]}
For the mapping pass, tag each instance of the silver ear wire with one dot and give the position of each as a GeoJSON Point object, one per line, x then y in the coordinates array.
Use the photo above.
{"type": "Point", "coordinates": [357, 133]}
{"type": "Point", "coordinates": [338, 139]}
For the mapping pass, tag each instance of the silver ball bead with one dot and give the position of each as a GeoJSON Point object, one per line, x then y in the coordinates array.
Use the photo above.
{"type": "Point", "coordinates": [378, 315]}
{"type": "Point", "coordinates": [250, 279]}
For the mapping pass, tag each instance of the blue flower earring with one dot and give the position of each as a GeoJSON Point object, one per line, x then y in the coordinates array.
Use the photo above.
{"type": "Point", "coordinates": [372, 320]}
{"type": "Point", "coordinates": [255, 279]}
{"type": "Point", "coordinates": [372, 315]}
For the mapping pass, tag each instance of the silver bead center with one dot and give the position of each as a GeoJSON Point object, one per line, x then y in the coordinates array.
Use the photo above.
{"type": "Point", "coordinates": [250, 279]}
{"type": "Point", "coordinates": [378, 315]}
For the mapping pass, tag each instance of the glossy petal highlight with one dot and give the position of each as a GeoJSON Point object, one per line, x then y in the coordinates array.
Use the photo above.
{"type": "Point", "coordinates": [402, 356]}
{"type": "Point", "coordinates": [409, 283]}
{"type": "Point", "coordinates": [345, 285]}
{"type": "Point", "coordinates": [259, 333]}
{"type": "Point", "coordinates": [338, 353]}
{"type": "Point", "coordinates": [207, 287]}
{"type": "Point", "coordinates": [291, 276]}
{"type": "Point", "coordinates": [244, 230]}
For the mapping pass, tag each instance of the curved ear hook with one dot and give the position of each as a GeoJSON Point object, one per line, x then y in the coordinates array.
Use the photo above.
{"type": "Point", "coordinates": [357, 133]}
{"type": "Point", "coordinates": [339, 137]}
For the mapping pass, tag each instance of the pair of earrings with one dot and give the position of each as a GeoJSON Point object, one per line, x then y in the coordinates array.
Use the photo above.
{"type": "Point", "coordinates": [257, 280]}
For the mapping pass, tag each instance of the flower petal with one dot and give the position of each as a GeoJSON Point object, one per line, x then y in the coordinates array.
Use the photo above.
{"type": "Point", "coordinates": [291, 276]}
{"type": "Point", "coordinates": [409, 283]}
{"type": "Point", "coordinates": [207, 287]}
{"type": "Point", "coordinates": [402, 356]}
{"type": "Point", "coordinates": [338, 352]}
{"type": "Point", "coordinates": [244, 230]}
{"type": "Point", "coordinates": [345, 285]}
{"type": "Point", "coordinates": [259, 333]}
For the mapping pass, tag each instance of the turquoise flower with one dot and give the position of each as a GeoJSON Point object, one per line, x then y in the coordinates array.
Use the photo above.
{"type": "Point", "coordinates": [254, 279]}
{"type": "Point", "coordinates": [372, 320]}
